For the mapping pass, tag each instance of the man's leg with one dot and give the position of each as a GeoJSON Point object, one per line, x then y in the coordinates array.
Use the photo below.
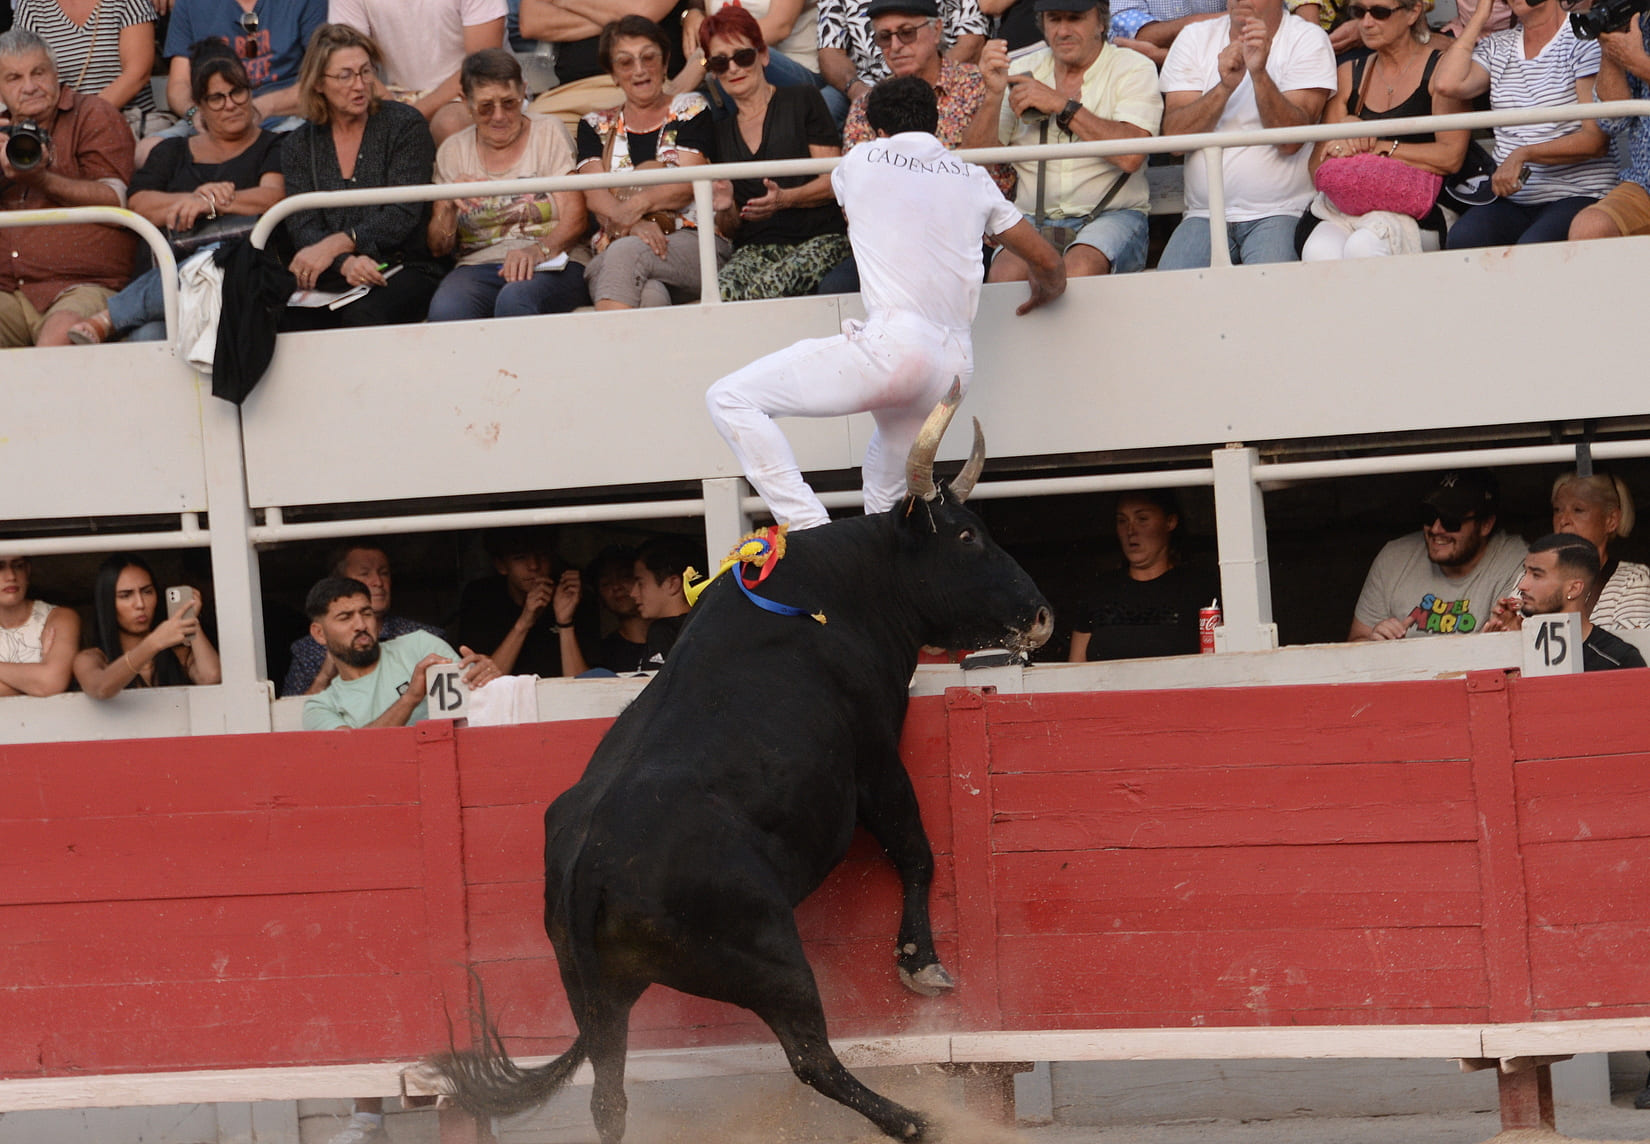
{"type": "Point", "coordinates": [466, 293]}
{"type": "Point", "coordinates": [884, 476]}
{"type": "Point", "coordinates": [1188, 246]}
{"type": "Point", "coordinates": [1624, 211]}
{"type": "Point", "coordinates": [1114, 243]}
{"type": "Point", "coordinates": [75, 304]}
{"type": "Point", "coordinates": [1263, 240]}
{"type": "Point", "coordinates": [17, 321]}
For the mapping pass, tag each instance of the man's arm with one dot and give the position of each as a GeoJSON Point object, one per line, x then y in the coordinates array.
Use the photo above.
{"type": "Point", "coordinates": [837, 66]}
{"type": "Point", "coordinates": [561, 21]}
{"type": "Point", "coordinates": [281, 102]}
{"type": "Point", "coordinates": [397, 713]}
{"type": "Point", "coordinates": [477, 37]}
{"type": "Point", "coordinates": [60, 641]}
{"type": "Point", "coordinates": [178, 97]}
{"type": "Point", "coordinates": [1162, 33]}
{"type": "Point", "coordinates": [1047, 270]}
{"type": "Point", "coordinates": [1294, 108]}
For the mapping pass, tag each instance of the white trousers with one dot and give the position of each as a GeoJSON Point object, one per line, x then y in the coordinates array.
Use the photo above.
{"type": "Point", "coordinates": [895, 367]}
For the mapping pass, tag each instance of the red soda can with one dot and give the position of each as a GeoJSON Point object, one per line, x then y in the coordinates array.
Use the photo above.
{"type": "Point", "coordinates": [1208, 619]}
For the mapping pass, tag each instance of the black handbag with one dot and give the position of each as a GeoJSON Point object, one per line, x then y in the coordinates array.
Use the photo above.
{"type": "Point", "coordinates": [224, 228]}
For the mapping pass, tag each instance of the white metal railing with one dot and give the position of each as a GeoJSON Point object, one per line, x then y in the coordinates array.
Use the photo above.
{"type": "Point", "coordinates": [114, 216]}
{"type": "Point", "coordinates": [1210, 145]}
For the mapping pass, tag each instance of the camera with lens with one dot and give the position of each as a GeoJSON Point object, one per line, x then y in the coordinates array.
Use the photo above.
{"type": "Point", "coordinates": [1606, 16]}
{"type": "Point", "coordinates": [27, 146]}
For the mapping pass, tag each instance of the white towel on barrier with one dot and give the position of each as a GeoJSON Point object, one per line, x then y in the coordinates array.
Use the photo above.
{"type": "Point", "coordinates": [507, 699]}
{"type": "Point", "coordinates": [200, 301]}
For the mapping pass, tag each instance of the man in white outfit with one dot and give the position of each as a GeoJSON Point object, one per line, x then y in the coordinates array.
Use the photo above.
{"type": "Point", "coordinates": [916, 214]}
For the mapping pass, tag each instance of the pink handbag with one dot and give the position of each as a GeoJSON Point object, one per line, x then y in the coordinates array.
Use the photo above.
{"type": "Point", "coordinates": [1358, 184]}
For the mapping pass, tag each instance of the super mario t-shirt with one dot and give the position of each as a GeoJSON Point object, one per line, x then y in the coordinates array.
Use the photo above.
{"type": "Point", "coordinates": [1403, 582]}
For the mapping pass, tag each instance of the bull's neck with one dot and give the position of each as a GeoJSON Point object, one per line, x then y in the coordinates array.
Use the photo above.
{"type": "Point", "coordinates": [853, 565]}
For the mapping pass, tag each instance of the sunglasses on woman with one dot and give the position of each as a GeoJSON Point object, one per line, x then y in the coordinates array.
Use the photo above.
{"type": "Point", "coordinates": [1379, 11]}
{"type": "Point", "coordinates": [718, 65]}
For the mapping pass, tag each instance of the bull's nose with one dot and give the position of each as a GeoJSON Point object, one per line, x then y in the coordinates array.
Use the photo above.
{"type": "Point", "coordinates": [1041, 628]}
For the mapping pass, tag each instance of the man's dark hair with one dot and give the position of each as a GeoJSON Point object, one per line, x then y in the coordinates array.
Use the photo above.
{"type": "Point", "coordinates": [1577, 556]}
{"type": "Point", "coordinates": [490, 65]}
{"type": "Point", "coordinates": [319, 601]}
{"type": "Point", "coordinates": [666, 556]}
{"type": "Point", "coordinates": [903, 103]}
{"type": "Point", "coordinates": [620, 558]}
{"type": "Point", "coordinates": [519, 540]}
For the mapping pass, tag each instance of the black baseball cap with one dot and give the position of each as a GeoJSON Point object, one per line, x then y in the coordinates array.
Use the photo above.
{"type": "Point", "coordinates": [1468, 493]}
{"type": "Point", "coordinates": [1064, 5]}
{"type": "Point", "coordinates": [928, 8]}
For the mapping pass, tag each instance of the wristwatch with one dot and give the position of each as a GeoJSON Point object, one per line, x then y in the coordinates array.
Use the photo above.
{"type": "Point", "coordinates": [1067, 114]}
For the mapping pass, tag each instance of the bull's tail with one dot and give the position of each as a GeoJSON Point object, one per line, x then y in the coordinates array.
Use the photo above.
{"type": "Point", "coordinates": [484, 1081]}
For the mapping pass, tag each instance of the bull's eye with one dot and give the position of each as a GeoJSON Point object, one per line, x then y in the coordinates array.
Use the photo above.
{"type": "Point", "coordinates": [967, 536]}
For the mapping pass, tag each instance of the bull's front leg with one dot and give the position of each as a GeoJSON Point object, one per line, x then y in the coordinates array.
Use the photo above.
{"type": "Point", "coordinates": [888, 809]}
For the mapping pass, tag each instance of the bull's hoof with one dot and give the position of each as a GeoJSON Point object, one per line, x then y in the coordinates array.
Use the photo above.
{"type": "Point", "coordinates": [930, 981]}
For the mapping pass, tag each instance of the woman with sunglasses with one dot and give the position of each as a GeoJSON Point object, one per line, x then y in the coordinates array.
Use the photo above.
{"type": "Point", "coordinates": [647, 247]}
{"type": "Point", "coordinates": [355, 140]}
{"type": "Point", "coordinates": [232, 167]}
{"type": "Point", "coordinates": [1392, 82]}
{"type": "Point", "coordinates": [1600, 508]}
{"type": "Point", "coordinates": [1546, 173]}
{"type": "Point", "coordinates": [787, 232]}
{"type": "Point", "coordinates": [517, 254]}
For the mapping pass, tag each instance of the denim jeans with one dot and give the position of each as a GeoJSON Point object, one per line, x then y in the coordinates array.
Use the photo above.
{"type": "Point", "coordinates": [1504, 223]}
{"type": "Point", "coordinates": [1269, 239]}
{"type": "Point", "coordinates": [470, 292]}
{"type": "Point", "coordinates": [142, 301]}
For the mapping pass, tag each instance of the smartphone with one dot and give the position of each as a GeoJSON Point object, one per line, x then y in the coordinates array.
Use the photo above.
{"type": "Point", "coordinates": [177, 599]}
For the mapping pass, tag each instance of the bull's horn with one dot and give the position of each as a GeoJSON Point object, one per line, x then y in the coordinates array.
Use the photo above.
{"type": "Point", "coordinates": [964, 484]}
{"type": "Point", "coordinates": [919, 462]}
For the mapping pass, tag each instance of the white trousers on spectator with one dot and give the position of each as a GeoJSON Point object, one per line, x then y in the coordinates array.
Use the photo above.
{"type": "Point", "coordinates": [896, 367]}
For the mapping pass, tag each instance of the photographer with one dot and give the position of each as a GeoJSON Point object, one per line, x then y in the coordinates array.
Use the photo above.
{"type": "Point", "coordinates": [1078, 87]}
{"type": "Point", "coordinates": [1623, 73]}
{"type": "Point", "coordinates": [52, 277]}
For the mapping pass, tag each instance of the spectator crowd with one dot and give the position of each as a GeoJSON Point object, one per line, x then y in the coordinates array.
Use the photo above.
{"type": "Point", "coordinates": [267, 98]}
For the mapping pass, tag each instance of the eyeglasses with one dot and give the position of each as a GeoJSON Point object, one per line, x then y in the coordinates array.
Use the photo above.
{"type": "Point", "coordinates": [1445, 521]}
{"type": "Point", "coordinates": [346, 78]}
{"type": "Point", "coordinates": [1379, 11]}
{"type": "Point", "coordinates": [646, 59]}
{"type": "Point", "coordinates": [509, 105]}
{"type": "Point", "coordinates": [249, 45]}
{"type": "Point", "coordinates": [218, 100]}
{"type": "Point", "coordinates": [718, 65]}
{"type": "Point", "coordinates": [907, 35]}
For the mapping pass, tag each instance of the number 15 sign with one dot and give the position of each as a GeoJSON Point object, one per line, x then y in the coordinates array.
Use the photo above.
{"type": "Point", "coordinates": [1552, 644]}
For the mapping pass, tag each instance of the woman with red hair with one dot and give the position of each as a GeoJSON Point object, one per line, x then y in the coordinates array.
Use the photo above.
{"type": "Point", "coordinates": [787, 233]}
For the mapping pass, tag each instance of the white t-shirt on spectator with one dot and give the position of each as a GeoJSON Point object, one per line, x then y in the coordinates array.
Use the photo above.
{"type": "Point", "coordinates": [1260, 181]}
{"type": "Point", "coordinates": [423, 40]}
{"type": "Point", "coordinates": [802, 45]}
{"type": "Point", "coordinates": [1549, 80]}
{"type": "Point", "coordinates": [916, 215]}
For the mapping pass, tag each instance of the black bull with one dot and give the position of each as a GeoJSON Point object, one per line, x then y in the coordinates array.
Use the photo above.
{"type": "Point", "coordinates": [728, 791]}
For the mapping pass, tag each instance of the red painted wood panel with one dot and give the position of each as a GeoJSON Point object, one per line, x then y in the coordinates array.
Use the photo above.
{"type": "Point", "coordinates": [1101, 731]}
{"type": "Point", "coordinates": [1267, 975]}
{"type": "Point", "coordinates": [1558, 716]}
{"type": "Point", "coordinates": [1238, 888]}
{"type": "Point", "coordinates": [1212, 804]}
{"type": "Point", "coordinates": [1586, 797]}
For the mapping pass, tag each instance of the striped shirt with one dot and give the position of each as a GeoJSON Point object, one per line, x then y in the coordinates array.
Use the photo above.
{"type": "Point", "coordinates": [1549, 80]}
{"type": "Point", "coordinates": [1625, 601]}
{"type": "Point", "coordinates": [1129, 16]}
{"type": "Point", "coordinates": [88, 58]}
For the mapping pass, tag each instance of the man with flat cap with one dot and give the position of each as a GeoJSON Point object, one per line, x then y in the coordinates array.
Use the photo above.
{"type": "Point", "coordinates": [1078, 87]}
{"type": "Point", "coordinates": [1447, 578]}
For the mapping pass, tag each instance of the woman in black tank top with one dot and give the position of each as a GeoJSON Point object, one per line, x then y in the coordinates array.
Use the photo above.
{"type": "Point", "coordinates": [1390, 83]}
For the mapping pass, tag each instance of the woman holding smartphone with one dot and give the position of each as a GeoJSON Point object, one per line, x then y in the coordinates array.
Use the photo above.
{"type": "Point", "coordinates": [131, 649]}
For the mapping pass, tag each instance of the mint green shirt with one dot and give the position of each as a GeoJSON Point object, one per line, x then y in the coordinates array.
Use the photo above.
{"type": "Point", "coordinates": [357, 702]}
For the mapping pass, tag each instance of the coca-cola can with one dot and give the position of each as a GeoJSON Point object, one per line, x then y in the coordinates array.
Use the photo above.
{"type": "Point", "coordinates": [1208, 619]}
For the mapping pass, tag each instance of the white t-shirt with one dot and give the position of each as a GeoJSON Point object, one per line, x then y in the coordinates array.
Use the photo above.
{"type": "Point", "coordinates": [1260, 181]}
{"type": "Point", "coordinates": [916, 218]}
{"type": "Point", "coordinates": [423, 40]}
{"type": "Point", "coordinates": [802, 45]}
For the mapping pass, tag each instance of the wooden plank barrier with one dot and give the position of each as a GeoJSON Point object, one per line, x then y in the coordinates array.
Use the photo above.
{"type": "Point", "coordinates": [1442, 868]}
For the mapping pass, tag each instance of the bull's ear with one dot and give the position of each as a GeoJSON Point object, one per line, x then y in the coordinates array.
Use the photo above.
{"type": "Point", "coordinates": [917, 513]}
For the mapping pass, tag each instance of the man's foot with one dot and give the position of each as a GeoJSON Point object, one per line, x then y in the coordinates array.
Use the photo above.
{"type": "Point", "coordinates": [1642, 1100]}
{"type": "Point", "coordinates": [362, 1130]}
{"type": "Point", "coordinates": [92, 331]}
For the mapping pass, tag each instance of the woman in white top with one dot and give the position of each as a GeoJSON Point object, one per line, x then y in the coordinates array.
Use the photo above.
{"type": "Point", "coordinates": [1599, 508]}
{"type": "Point", "coordinates": [37, 641]}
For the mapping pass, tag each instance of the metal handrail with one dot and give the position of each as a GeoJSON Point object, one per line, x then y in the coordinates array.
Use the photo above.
{"type": "Point", "coordinates": [115, 216]}
{"type": "Point", "coordinates": [1210, 143]}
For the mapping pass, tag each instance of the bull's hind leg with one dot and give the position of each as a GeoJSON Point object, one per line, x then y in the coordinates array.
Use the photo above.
{"type": "Point", "coordinates": [888, 809]}
{"type": "Point", "coordinates": [606, 1031]}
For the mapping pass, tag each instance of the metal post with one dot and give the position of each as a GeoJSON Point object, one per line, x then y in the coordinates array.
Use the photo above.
{"type": "Point", "coordinates": [1214, 169]}
{"type": "Point", "coordinates": [244, 696]}
{"type": "Point", "coordinates": [710, 292]}
{"type": "Point", "coordinates": [725, 517]}
{"type": "Point", "coordinates": [1240, 530]}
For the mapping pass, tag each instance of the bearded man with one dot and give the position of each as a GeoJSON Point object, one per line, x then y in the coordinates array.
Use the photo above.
{"type": "Point", "coordinates": [1446, 579]}
{"type": "Point", "coordinates": [378, 684]}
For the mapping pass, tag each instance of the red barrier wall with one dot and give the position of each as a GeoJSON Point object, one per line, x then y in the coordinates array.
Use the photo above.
{"type": "Point", "coordinates": [1462, 850]}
